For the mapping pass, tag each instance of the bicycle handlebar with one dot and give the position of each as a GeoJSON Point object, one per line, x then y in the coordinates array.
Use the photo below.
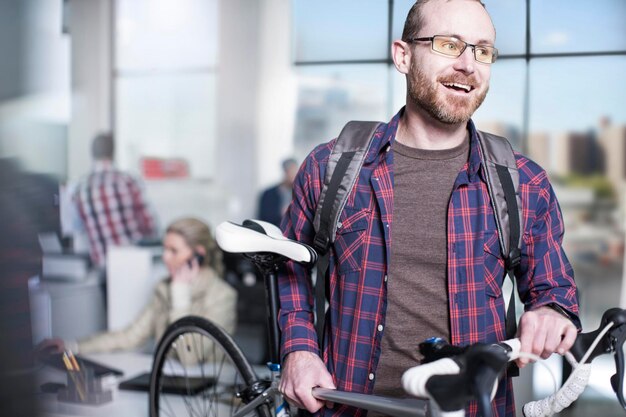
{"type": "Point", "coordinates": [462, 373]}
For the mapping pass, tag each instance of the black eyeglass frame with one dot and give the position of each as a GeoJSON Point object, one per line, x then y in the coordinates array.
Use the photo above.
{"type": "Point", "coordinates": [431, 39]}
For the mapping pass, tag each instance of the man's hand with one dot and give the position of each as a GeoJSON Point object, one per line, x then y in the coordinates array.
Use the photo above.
{"type": "Point", "coordinates": [301, 372]}
{"type": "Point", "coordinates": [544, 331]}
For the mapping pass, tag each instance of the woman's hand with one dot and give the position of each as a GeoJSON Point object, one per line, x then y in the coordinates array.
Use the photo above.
{"type": "Point", "coordinates": [187, 272]}
{"type": "Point", "coordinates": [49, 347]}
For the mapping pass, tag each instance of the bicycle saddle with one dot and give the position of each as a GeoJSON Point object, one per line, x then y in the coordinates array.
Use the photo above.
{"type": "Point", "coordinates": [256, 236]}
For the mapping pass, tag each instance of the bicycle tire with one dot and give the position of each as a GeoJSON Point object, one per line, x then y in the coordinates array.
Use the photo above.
{"type": "Point", "coordinates": [210, 398]}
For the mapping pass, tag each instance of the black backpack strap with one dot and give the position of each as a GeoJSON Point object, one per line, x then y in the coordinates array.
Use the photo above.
{"type": "Point", "coordinates": [503, 183]}
{"type": "Point", "coordinates": [514, 257]}
{"type": "Point", "coordinates": [342, 172]}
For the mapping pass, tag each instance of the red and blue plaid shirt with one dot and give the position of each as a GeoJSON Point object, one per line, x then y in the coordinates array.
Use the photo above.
{"type": "Point", "coordinates": [113, 208]}
{"type": "Point", "coordinates": [359, 264]}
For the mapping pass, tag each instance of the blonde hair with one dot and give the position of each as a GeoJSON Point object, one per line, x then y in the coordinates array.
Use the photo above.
{"type": "Point", "coordinates": [196, 233]}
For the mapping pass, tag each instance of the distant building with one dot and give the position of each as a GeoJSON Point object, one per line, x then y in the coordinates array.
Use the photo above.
{"type": "Point", "coordinates": [577, 153]}
{"type": "Point", "coordinates": [502, 129]}
{"type": "Point", "coordinates": [612, 139]}
{"type": "Point", "coordinates": [539, 149]}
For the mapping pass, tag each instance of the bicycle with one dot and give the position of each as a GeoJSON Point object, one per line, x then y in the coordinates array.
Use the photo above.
{"type": "Point", "coordinates": [223, 382]}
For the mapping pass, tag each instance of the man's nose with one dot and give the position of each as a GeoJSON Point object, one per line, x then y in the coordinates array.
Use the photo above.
{"type": "Point", "coordinates": [466, 62]}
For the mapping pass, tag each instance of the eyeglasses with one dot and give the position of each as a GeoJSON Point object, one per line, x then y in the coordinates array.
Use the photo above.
{"type": "Point", "coordinates": [454, 47]}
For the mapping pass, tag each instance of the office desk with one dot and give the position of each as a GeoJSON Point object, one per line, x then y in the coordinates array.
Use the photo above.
{"type": "Point", "coordinates": [125, 403]}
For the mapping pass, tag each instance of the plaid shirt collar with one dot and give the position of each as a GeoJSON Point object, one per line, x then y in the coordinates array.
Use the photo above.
{"type": "Point", "coordinates": [102, 165]}
{"type": "Point", "coordinates": [386, 134]}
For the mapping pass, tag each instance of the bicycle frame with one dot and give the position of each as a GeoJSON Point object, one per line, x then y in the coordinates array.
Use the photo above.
{"type": "Point", "coordinates": [432, 379]}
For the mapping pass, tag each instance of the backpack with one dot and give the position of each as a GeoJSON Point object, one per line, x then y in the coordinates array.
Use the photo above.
{"type": "Point", "coordinates": [342, 172]}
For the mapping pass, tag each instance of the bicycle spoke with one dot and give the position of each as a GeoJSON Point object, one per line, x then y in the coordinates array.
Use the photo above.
{"type": "Point", "coordinates": [202, 363]}
{"type": "Point", "coordinates": [199, 356]}
{"type": "Point", "coordinates": [166, 397]}
{"type": "Point", "coordinates": [214, 404]}
{"type": "Point", "coordinates": [216, 360]}
{"type": "Point", "coordinates": [192, 398]}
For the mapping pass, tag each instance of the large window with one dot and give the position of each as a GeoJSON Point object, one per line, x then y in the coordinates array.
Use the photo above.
{"type": "Point", "coordinates": [342, 54]}
{"type": "Point", "coordinates": [165, 82]}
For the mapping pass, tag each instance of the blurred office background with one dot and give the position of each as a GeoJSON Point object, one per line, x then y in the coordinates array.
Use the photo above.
{"type": "Point", "coordinates": [207, 97]}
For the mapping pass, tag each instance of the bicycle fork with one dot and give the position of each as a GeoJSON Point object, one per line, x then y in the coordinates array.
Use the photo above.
{"type": "Point", "coordinates": [270, 395]}
{"type": "Point", "coordinates": [281, 407]}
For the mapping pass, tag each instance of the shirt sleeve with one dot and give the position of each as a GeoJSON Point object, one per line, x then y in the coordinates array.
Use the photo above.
{"type": "Point", "coordinates": [145, 217]}
{"type": "Point", "coordinates": [546, 275]}
{"type": "Point", "coordinates": [294, 281]}
{"type": "Point", "coordinates": [131, 337]}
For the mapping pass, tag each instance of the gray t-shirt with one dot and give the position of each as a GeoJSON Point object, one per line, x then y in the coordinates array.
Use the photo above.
{"type": "Point", "coordinates": [417, 295]}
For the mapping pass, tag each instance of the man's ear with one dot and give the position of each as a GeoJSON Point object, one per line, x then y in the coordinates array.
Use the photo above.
{"type": "Point", "coordinates": [401, 55]}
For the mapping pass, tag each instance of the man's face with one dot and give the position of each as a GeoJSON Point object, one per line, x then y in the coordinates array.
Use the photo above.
{"type": "Point", "coordinates": [431, 76]}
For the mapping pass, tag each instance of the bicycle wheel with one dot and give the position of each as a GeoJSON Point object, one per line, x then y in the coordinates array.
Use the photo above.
{"type": "Point", "coordinates": [197, 371]}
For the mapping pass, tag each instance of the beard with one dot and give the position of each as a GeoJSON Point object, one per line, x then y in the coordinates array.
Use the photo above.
{"type": "Point", "coordinates": [448, 109]}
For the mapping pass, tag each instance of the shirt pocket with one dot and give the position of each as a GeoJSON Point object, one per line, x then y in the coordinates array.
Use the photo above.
{"type": "Point", "coordinates": [493, 264]}
{"type": "Point", "coordinates": [350, 239]}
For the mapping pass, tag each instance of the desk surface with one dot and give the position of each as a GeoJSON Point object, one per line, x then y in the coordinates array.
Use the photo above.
{"type": "Point", "coordinates": [125, 403]}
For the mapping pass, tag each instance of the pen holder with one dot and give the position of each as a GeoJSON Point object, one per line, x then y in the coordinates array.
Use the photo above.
{"type": "Point", "coordinates": [83, 387]}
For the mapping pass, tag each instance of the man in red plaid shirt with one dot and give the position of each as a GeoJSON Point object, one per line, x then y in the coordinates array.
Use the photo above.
{"type": "Point", "coordinates": [417, 252]}
{"type": "Point", "coordinates": [111, 204]}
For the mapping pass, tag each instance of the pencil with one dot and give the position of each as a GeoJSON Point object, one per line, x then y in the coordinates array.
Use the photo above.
{"type": "Point", "coordinates": [74, 361]}
{"type": "Point", "coordinates": [67, 362]}
{"type": "Point", "coordinates": [71, 372]}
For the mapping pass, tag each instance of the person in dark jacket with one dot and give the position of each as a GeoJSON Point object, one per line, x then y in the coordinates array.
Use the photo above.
{"type": "Point", "coordinates": [274, 201]}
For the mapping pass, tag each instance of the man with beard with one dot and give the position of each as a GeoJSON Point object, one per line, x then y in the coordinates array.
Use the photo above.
{"type": "Point", "coordinates": [417, 253]}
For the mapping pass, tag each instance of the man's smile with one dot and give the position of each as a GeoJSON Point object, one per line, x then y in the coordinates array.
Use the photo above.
{"type": "Point", "coordinates": [464, 88]}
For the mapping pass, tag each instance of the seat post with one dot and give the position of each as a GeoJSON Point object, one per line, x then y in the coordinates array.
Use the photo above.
{"type": "Point", "coordinates": [268, 264]}
{"type": "Point", "coordinates": [273, 302]}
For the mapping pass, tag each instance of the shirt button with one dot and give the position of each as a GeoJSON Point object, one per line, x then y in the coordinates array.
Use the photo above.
{"type": "Point", "coordinates": [385, 278]}
{"type": "Point", "coordinates": [371, 376]}
{"type": "Point", "coordinates": [380, 327]}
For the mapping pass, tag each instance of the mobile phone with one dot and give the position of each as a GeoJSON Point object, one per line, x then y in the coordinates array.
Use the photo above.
{"type": "Point", "coordinates": [198, 257]}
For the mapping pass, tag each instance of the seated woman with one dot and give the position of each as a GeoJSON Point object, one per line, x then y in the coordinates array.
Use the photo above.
{"type": "Point", "coordinates": [194, 287]}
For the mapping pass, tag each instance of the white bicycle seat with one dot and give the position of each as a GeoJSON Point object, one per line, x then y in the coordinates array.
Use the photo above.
{"type": "Point", "coordinates": [256, 236]}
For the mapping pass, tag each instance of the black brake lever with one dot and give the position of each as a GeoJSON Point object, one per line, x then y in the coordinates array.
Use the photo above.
{"type": "Point", "coordinates": [618, 337]}
{"type": "Point", "coordinates": [481, 365]}
{"type": "Point", "coordinates": [606, 345]}
{"type": "Point", "coordinates": [485, 371]}
{"type": "Point", "coordinates": [612, 342]}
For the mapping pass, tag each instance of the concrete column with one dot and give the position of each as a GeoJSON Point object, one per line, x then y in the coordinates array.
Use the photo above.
{"type": "Point", "coordinates": [90, 26]}
{"type": "Point", "coordinates": [277, 104]}
{"type": "Point", "coordinates": [256, 96]}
